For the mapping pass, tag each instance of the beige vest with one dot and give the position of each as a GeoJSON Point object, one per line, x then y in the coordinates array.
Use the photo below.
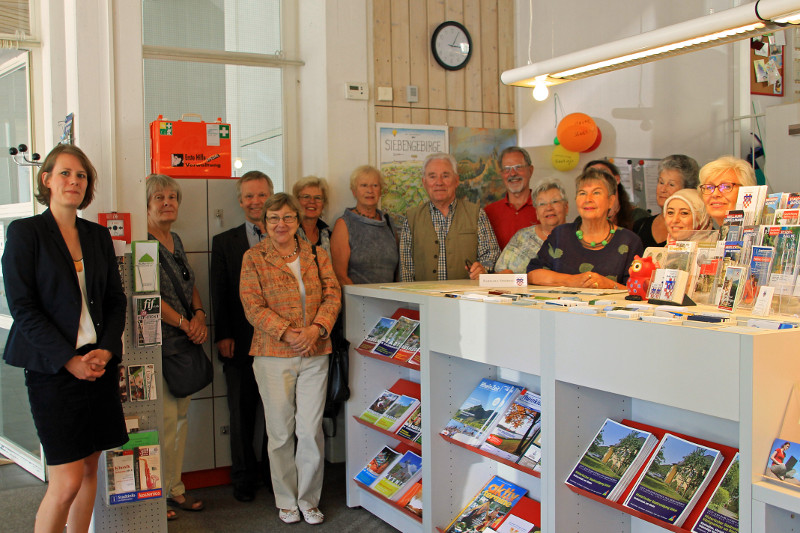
{"type": "Point", "coordinates": [461, 242]}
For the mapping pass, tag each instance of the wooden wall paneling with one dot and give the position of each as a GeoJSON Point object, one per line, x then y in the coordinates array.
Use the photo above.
{"type": "Point", "coordinates": [507, 121]}
{"type": "Point", "coordinates": [400, 51]}
{"type": "Point", "coordinates": [438, 117]}
{"type": "Point", "coordinates": [456, 79]}
{"type": "Point", "coordinates": [402, 115]}
{"type": "Point", "coordinates": [505, 53]}
{"type": "Point", "coordinates": [437, 95]}
{"type": "Point", "coordinates": [488, 51]}
{"type": "Point", "coordinates": [382, 46]}
{"type": "Point", "coordinates": [419, 46]}
{"type": "Point", "coordinates": [473, 86]}
{"type": "Point", "coordinates": [491, 120]}
{"type": "Point", "coordinates": [383, 113]}
{"type": "Point", "coordinates": [420, 115]}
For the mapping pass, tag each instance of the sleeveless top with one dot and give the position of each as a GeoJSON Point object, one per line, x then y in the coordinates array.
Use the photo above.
{"type": "Point", "coordinates": [373, 249]}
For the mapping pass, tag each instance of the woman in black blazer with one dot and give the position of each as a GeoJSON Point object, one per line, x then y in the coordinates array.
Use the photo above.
{"type": "Point", "coordinates": [66, 298]}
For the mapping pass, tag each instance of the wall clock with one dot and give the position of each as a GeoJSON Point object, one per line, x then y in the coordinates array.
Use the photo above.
{"type": "Point", "coordinates": [451, 45]}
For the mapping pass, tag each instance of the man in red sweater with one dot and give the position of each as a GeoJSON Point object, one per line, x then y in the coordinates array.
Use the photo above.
{"type": "Point", "coordinates": [515, 211]}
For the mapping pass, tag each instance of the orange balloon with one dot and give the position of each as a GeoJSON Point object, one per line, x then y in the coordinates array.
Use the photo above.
{"type": "Point", "coordinates": [593, 147]}
{"type": "Point", "coordinates": [577, 132]}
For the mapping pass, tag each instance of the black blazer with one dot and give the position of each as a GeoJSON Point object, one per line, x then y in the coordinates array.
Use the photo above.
{"type": "Point", "coordinates": [227, 250]}
{"type": "Point", "coordinates": [45, 298]}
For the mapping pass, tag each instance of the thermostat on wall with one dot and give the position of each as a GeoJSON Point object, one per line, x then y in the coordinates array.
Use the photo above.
{"type": "Point", "coordinates": [356, 91]}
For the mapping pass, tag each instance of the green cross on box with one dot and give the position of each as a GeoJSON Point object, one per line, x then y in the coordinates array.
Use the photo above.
{"type": "Point", "coordinates": [224, 132]}
{"type": "Point", "coordinates": [165, 128]}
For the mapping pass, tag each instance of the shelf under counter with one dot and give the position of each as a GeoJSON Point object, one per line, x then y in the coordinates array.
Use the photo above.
{"type": "Point", "coordinates": [491, 456]}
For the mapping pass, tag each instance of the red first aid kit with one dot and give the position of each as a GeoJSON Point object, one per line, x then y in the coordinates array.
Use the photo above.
{"type": "Point", "coordinates": [187, 149]}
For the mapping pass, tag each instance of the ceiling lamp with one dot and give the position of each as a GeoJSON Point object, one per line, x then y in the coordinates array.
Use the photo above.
{"type": "Point", "coordinates": [749, 20]}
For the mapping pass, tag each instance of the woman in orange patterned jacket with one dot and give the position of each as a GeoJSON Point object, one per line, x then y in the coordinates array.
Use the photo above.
{"type": "Point", "coordinates": [291, 296]}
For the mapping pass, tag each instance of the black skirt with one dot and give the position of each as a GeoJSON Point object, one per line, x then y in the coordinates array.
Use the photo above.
{"type": "Point", "coordinates": [75, 418]}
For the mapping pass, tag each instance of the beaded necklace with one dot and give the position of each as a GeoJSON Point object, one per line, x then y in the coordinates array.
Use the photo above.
{"type": "Point", "coordinates": [594, 244]}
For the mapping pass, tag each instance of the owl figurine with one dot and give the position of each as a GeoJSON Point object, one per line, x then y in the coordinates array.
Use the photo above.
{"type": "Point", "coordinates": [640, 272]}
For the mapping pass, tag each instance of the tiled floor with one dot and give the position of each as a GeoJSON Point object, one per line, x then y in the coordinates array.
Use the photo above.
{"type": "Point", "coordinates": [14, 477]}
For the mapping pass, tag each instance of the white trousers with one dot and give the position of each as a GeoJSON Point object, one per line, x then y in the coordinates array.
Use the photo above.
{"type": "Point", "coordinates": [176, 426]}
{"type": "Point", "coordinates": [293, 390]}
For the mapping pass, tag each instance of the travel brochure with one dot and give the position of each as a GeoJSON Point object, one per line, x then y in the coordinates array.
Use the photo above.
{"type": "Point", "coordinates": [396, 339]}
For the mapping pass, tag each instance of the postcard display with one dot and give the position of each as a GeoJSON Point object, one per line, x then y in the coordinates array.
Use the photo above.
{"type": "Point", "coordinates": [148, 515]}
{"type": "Point", "coordinates": [726, 387]}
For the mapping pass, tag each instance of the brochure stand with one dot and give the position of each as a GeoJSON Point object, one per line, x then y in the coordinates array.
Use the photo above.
{"type": "Point", "coordinates": [148, 515]}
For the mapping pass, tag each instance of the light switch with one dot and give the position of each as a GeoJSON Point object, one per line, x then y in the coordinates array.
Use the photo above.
{"type": "Point", "coordinates": [384, 94]}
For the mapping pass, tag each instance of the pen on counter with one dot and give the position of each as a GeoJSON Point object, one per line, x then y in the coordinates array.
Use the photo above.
{"type": "Point", "coordinates": [450, 295]}
{"type": "Point", "coordinates": [468, 263]}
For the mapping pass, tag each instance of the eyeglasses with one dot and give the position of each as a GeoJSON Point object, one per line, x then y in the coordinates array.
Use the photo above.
{"type": "Point", "coordinates": [545, 204]}
{"type": "Point", "coordinates": [513, 168]}
{"type": "Point", "coordinates": [182, 266]}
{"type": "Point", "coordinates": [307, 197]}
{"type": "Point", "coordinates": [708, 189]}
{"type": "Point", "coordinates": [287, 219]}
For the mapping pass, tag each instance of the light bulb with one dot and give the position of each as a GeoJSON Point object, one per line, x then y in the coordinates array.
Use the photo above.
{"type": "Point", "coordinates": [540, 92]}
{"type": "Point", "coordinates": [237, 163]}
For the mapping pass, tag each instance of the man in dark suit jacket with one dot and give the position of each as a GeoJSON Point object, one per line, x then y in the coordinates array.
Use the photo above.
{"type": "Point", "coordinates": [233, 333]}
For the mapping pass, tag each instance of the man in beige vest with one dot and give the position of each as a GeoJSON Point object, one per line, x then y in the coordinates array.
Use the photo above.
{"type": "Point", "coordinates": [445, 238]}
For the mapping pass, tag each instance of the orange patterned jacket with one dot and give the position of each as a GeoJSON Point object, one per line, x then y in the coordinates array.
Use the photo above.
{"type": "Point", "coordinates": [271, 297]}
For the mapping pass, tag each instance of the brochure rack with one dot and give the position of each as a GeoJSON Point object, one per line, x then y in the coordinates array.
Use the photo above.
{"type": "Point", "coordinates": [727, 387]}
{"type": "Point", "coordinates": [146, 515]}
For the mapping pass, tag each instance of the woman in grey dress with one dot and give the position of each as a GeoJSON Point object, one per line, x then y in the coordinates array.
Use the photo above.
{"type": "Point", "coordinates": [364, 241]}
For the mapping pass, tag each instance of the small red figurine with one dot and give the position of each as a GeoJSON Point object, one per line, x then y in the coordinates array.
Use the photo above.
{"type": "Point", "coordinates": [640, 272]}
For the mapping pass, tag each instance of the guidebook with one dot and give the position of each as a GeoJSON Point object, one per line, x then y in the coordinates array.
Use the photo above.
{"type": "Point", "coordinates": [402, 474]}
{"type": "Point", "coordinates": [377, 333]}
{"type": "Point", "coordinates": [676, 476]}
{"type": "Point", "coordinates": [410, 348]}
{"type": "Point", "coordinates": [412, 499]}
{"type": "Point", "coordinates": [147, 320]}
{"type": "Point", "coordinates": [488, 507]}
{"type": "Point", "coordinates": [476, 416]}
{"type": "Point", "coordinates": [532, 458]}
{"type": "Point", "coordinates": [412, 427]}
{"type": "Point", "coordinates": [518, 426]}
{"type": "Point", "coordinates": [383, 460]}
{"type": "Point", "coordinates": [782, 463]}
{"type": "Point", "coordinates": [732, 288]}
{"type": "Point", "coordinates": [395, 337]}
{"type": "Point", "coordinates": [397, 413]}
{"type": "Point", "coordinates": [612, 459]}
{"type": "Point", "coordinates": [379, 407]}
{"type": "Point", "coordinates": [784, 239]}
{"type": "Point", "coordinates": [721, 514]}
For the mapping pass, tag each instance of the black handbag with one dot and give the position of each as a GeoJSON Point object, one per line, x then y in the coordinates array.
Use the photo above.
{"type": "Point", "coordinates": [186, 367]}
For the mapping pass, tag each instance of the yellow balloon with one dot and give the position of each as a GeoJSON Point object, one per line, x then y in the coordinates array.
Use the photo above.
{"type": "Point", "coordinates": [563, 159]}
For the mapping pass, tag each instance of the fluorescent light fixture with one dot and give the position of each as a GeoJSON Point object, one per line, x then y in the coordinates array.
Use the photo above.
{"type": "Point", "coordinates": [733, 24]}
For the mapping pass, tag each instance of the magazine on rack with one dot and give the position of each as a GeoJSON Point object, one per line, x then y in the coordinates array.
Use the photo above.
{"type": "Point", "coordinates": [401, 475]}
{"type": "Point", "coordinates": [412, 427]}
{"type": "Point", "coordinates": [481, 410]}
{"type": "Point", "coordinates": [488, 508]}
{"type": "Point", "coordinates": [397, 413]}
{"type": "Point", "coordinates": [377, 465]}
{"type": "Point", "coordinates": [517, 427]}
{"type": "Point", "coordinates": [721, 513]}
{"type": "Point", "coordinates": [377, 333]}
{"type": "Point", "coordinates": [676, 476]}
{"type": "Point", "coordinates": [410, 348]}
{"type": "Point", "coordinates": [394, 338]}
{"type": "Point", "coordinates": [612, 460]}
{"type": "Point", "coordinates": [379, 406]}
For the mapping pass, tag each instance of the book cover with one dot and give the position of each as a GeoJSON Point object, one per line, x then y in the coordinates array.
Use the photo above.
{"type": "Point", "coordinates": [149, 466]}
{"type": "Point", "coordinates": [148, 437]}
{"type": "Point", "coordinates": [403, 473]}
{"type": "Point", "coordinates": [760, 266]}
{"type": "Point", "coordinates": [782, 463]}
{"type": "Point", "coordinates": [123, 383]}
{"type": "Point", "coordinates": [120, 479]}
{"type": "Point", "coordinates": [674, 479]}
{"type": "Point", "coordinates": [721, 514]}
{"type": "Point", "coordinates": [412, 427]}
{"type": "Point", "coordinates": [732, 226]}
{"type": "Point", "coordinates": [479, 412]}
{"type": "Point", "coordinates": [150, 381]}
{"type": "Point", "coordinates": [612, 459]}
{"type": "Point", "coordinates": [668, 284]}
{"type": "Point", "coordinates": [136, 383]}
{"type": "Point", "coordinates": [145, 266]}
{"type": "Point", "coordinates": [410, 347]}
{"type": "Point", "coordinates": [709, 262]}
{"type": "Point", "coordinates": [395, 415]}
{"type": "Point", "coordinates": [412, 499]}
{"type": "Point", "coordinates": [515, 524]}
{"type": "Point", "coordinates": [784, 239]}
{"type": "Point", "coordinates": [787, 217]}
{"type": "Point", "coordinates": [517, 427]}
{"type": "Point", "coordinates": [532, 458]}
{"type": "Point", "coordinates": [377, 465]}
{"type": "Point", "coordinates": [771, 204]}
{"type": "Point", "coordinates": [147, 320]}
{"type": "Point", "coordinates": [395, 337]}
{"type": "Point", "coordinates": [376, 334]}
{"type": "Point", "coordinates": [378, 407]}
{"type": "Point", "coordinates": [792, 200]}
{"type": "Point", "coordinates": [732, 288]}
{"type": "Point", "coordinates": [750, 200]}
{"type": "Point", "coordinates": [415, 358]}
{"type": "Point", "coordinates": [488, 507]}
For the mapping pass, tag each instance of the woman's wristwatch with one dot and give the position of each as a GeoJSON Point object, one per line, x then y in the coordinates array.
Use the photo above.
{"type": "Point", "coordinates": [322, 331]}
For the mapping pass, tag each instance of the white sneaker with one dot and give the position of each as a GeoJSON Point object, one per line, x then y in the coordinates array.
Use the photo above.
{"type": "Point", "coordinates": [289, 516]}
{"type": "Point", "coordinates": [313, 516]}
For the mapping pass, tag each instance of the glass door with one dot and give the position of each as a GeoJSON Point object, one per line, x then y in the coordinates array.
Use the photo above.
{"type": "Point", "coordinates": [18, 439]}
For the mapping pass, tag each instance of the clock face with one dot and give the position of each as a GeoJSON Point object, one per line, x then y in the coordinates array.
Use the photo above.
{"type": "Point", "coordinates": [451, 45]}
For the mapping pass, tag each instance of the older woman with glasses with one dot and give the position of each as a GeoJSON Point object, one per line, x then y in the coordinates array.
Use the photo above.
{"type": "Point", "coordinates": [551, 209]}
{"type": "Point", "coordinates": [163, 199]}
{"type": "Point", "coordinates": [719, 185]}
{"type": "Point", "coordinates": [312, 192]}
{"type": "Point", "coordinates": [290, 294]}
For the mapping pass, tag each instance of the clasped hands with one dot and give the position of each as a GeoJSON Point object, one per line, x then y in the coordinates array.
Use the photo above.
{"type": "Point", "coordinates": [90, 366]}
{"type": "Point", "coordinates": [195, 329]}
{"type": "Point", "coordinates": [302, 340]}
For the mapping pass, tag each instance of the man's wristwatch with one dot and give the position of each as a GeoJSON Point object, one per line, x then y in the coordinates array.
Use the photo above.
{"type": "Point", "coordinates": [322, 331]}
